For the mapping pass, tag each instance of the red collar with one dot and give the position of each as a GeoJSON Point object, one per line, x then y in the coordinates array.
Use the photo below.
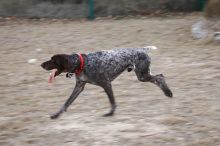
{"type": "Point", "coordinates": [80, 69]}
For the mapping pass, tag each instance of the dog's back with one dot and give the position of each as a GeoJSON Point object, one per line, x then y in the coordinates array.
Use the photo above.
{"type": "Point", "coordinates": [111, 63]}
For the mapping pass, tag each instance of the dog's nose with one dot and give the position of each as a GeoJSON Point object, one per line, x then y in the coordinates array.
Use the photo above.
{"type": "Point", "coordinates": [42, 65]}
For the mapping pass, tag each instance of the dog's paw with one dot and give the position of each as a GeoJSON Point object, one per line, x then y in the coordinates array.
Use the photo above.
{"type": "Point", "coordinates": [168, 93]}
{"type": "Point", "coordinates": [54, 116]}
{"type": "Point", "coordinates": [160, 81]}
{"type": "Point", "coordinates": [108, 114]}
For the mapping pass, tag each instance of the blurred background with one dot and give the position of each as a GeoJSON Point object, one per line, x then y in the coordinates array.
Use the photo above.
{"type": "Point", "coordinates": [81, 8]}
{"type": "Point", "coordinates": [187, 34]}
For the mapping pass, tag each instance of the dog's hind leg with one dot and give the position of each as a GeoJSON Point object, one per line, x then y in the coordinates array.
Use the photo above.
{"type": "Point", "coordinates": [77, 90]}
{"type": "Point", "coordinates": [108, 89]}
{"type": "Point", "coordinates": [159, 80]}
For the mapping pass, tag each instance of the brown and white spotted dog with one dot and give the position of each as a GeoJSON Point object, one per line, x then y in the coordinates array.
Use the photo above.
{"type": "Point", "coordinates": [101, 68]}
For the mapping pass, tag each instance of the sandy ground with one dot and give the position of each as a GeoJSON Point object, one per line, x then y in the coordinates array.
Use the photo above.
{"type": "Point", "coordinates": [144, 117]}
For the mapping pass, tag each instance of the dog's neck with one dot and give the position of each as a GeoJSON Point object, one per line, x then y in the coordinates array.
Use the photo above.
{"type": "Point", "coordinates": [81, 64]}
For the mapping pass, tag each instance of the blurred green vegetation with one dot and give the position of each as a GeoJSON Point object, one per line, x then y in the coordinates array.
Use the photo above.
{"type": "Point", "coordinates": [80, 8]}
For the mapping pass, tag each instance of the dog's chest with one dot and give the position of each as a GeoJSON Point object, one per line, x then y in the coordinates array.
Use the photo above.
{"type": "Point", "coordinates": [83, 77]}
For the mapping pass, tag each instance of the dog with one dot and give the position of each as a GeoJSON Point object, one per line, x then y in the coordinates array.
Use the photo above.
{"type": "Point", "coordinates": [101, 68]}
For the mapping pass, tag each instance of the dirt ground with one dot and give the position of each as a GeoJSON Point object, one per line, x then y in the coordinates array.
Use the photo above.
{"type": "Point", "coordinates": [144, 117]}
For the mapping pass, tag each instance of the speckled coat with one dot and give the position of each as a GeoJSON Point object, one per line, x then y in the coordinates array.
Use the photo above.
{"type": "Point", "coordinates": [105, 66]}
{"type": "Point", "coordinates": [101, 68]}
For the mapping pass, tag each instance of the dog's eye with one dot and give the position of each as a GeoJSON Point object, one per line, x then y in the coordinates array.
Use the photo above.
{"type": "Point", "coordinates": [53, 62]}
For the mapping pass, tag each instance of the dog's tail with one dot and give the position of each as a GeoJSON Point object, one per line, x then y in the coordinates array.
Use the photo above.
{"type": "Point", "coordinates": [148, 48]}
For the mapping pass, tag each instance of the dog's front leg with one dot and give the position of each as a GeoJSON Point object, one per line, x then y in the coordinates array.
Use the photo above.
{"type": "Point", "coordinates": [109, 92]}
{"type": "Point", "coordinates": [77, 90]}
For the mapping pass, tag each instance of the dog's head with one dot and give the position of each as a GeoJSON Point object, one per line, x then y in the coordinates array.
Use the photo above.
{"type": "Point", "coordinates": [62, 63]}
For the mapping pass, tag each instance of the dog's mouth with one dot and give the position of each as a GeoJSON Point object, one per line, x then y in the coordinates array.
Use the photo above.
{"type": "Point", "coordinates": [52, 75]}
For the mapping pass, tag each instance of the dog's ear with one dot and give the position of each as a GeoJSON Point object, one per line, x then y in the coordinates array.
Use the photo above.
{"type": "Point", "coordinates": [60, 59]}
{"type": "Point", "coordinates": [75, 61]}
{"type": "Point", "coordinates": [75, 58]}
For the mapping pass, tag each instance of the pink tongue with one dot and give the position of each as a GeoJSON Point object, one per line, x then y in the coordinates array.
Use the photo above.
{"type": "Point", "coordinates": [52, 76]}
